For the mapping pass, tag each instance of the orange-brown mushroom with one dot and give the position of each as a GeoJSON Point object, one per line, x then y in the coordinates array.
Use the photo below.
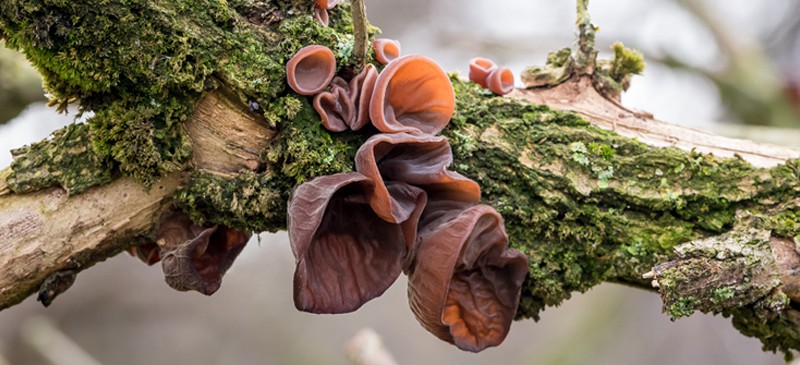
{"type": "Point", "coordinates": [386, 50]}
{"type": "Point", "coordinates": [412, 94]}
{"type": "Point", "coordinates": [500, 81]}
{"type": "Point", "coordinates": [464, 284]}
{"type": "Point", "coordinates": [419, 160]}
{"type": "Point", "coordinates": [346, 255]}
{"type": "Point", "coordinates": [195, 257]}
{"type": "Point", "coordinates": [311, 69]}
{"type": "Point", "coordinates": [479, 70]}
{"type": "Point", "coordinates": [347, 104]}
{"type": "Point", "coordinates": [321, 8]}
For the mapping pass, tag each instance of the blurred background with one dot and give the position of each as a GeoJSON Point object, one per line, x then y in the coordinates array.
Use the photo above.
{"type": "Point", "coordinates": [729, 66]}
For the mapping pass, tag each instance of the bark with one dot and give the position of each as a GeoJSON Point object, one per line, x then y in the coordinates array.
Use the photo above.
{"type": "Point", "coordinates": [605, 200]}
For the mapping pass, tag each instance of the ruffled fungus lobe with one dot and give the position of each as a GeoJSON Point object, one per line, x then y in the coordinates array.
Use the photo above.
{"type": "Point", "coordinates": [196, 257]}
{"type": "Point", "coordinates": [345, 254]}
{"type": "Point", "coordinates": [412, 94]}
{"type": "Point", "coordinates": [464, 285]}
{"type": "Point", "coordinates": [420, 160]}
{"type": "Point", "coordinates": [347, 104]}
{"type": "Point", "coordinates": [500, 81]}
{"type": "Point", "coordinates": [147, 253]}
{"type": "Point", "coordinates": [479, 70]}
{"type": "Point", "coordinates": [311, 69]}
{"type": "Point", "coordinates": [386, 50]}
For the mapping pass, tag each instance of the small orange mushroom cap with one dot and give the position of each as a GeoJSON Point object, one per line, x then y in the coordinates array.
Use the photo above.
{"type": "Point", "coordinates": [386, 50]}
{"type": "Point", "coordinates": [412, 94]}
{"type": "Point", "coordinates": [311, 69]}
{"type": "Point", "coordinates": [464, 284]}
{"type": "Point", "coordinates": [500, 81]}
{"type": "Point", "coordinates": [479, 70]}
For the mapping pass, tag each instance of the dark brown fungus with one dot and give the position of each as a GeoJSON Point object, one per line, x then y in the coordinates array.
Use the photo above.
{"type": "Point", "coordinates": [386, 50]}
{"type": "Point", "coordinates": [500, 81]}
{"type": "Point", "coordinates": [311, 70]}
{"type": "Point", "coordinates": [196, 257]}
{"type": "Point", "coordinates": [346, 255]}
{"type": "Point", "coordinates": [412, 94]}
{"type": "Point", "coordinates": [479, 70]}
{"type": "Point", "coordinates": [147, 253]}
{"type": "Point", "coordinates": [464, 284]}
{"type": "Point", "coordinates": [347, 104]}
{"type": "Point", "coordinates": [419, 160]}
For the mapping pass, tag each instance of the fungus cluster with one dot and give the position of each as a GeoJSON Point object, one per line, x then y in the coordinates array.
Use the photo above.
{"type": "Point", "coordinates": [402, 210]}
{"type": "Point", "coordinates": [193, 257]}
{"type": "Point", "coordinates": [484, 72]}
{"type": "Point", "coordinates": [321, 8]}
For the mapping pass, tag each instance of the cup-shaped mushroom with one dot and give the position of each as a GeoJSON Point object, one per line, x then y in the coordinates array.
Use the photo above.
{"type": "Point", "coordinates": [321, 16]}
{"type": "Point", "coordinates": [386, 50]}
{"type": "Point", "coordinates": [419, 160]}
{"type": "Point", "coordinates": [347, 104]}
{"type": "Point", "coordinates": [500, 81]}
{"type": "Point", "coordinates": [464, 284]}
{"type": "Point", "coordinates": [326, 4]}
{"type": "Point", "coordinates": [194, 257]}
{"type": "Point", "coordinates": [311, 69]}
{"type": "Point", "coordinates": [345, 254]}
{"type": "Point", "coordinates": [336, 107]}
{"type": "Point", "coordinates": [479, 70]}
{"type": "Point", "coordinates": [412, 94]}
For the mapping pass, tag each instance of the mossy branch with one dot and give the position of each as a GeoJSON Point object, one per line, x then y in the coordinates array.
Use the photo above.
{"type": "Point", "coordinates": [585, 203]}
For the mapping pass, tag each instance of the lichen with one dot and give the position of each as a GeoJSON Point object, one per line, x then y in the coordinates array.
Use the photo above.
{"type": "Point", "coordinates": [65, 159]}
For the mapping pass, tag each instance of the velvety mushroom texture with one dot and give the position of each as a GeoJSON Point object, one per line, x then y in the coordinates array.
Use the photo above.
{"type": "Point", "coordinates": [347, 255]}
{"type": "Point", "coordinates": [311, 69]}
{"type": "Point", "coordinates": [420, 160]}
{"type": "Point", "coordinates": [479, 70]}
{"type": "Point", "coordinates": [147, 253]}
{"type": "Point", "coordinates": [347, 104]}
{"type": "Point", "coordinates": [500, 81]}
{"type": "Point", "coordinates": [464, 284]}
{"type": "Point", "coordinates": [386, 50]}
{"type": "Point", "coordinates": [195, 257]}
{"type": "Point", "coordinates": [412, 94]}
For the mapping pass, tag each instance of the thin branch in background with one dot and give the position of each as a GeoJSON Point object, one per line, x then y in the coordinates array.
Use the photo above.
{"type": "Point", "coordinates": [366, 348]}
{"type": "Point", "coordinates": [360, 33]}
{"type": "Point", "coordinates": [44, 337]}
{"type": "Point", "coordinates": [585, 53]}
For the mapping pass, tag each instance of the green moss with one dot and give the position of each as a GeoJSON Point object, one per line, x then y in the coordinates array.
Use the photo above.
{"type": "Point", "coordinates": [683, 307]}
{"type": "Point", "coordinates": [587, 205]}
{"type": "Point", "coordinates": [141, 65]}
{"type": "Point", "coordinates": [65, 159]}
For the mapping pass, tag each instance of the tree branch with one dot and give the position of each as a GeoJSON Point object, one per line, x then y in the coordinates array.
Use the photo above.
{"type": "Point", "coordinates": [585, 204]}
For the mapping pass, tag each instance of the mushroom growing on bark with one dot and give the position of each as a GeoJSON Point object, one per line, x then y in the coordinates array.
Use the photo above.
{"type": "Point", "coordinates": [464, 284]}
{"type": "Point", "coordinates": [346, 255]}
{"type": "Point", "coordinates": [386, 50]}
{"type": "Point", "coordinates": [311, 69]}
{"type": "Point", "coordinates": [500, 81]}
{"type": "Point", "coordinates": [479, 70]}
{"type": "Point", "coordinates": [412, 94]}
{"type": "Point", "coordinates": [347, 104]}
{"type": "Point", "coordinates": [321, 8]}
{"type": "Point", "coordinates": [196, 257]}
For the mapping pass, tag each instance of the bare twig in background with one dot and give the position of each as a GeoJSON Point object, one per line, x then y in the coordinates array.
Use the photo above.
{"type": "Point", "coordinates": [54, 345]}
{"type": "Point", "coordinates": [360, 34]}
{"type": "Point", "coordinates": [366, 348]}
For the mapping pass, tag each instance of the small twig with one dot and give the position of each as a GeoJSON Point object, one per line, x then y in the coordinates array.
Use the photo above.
{"type": "Point", "coordinates": [366, 348]}
{"type": "Point", "coordinates": [41, 334]}
{"type": "Point", "coordinates": [585, 53]}
{"type": "Point", "coordinates": [359, 13]}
